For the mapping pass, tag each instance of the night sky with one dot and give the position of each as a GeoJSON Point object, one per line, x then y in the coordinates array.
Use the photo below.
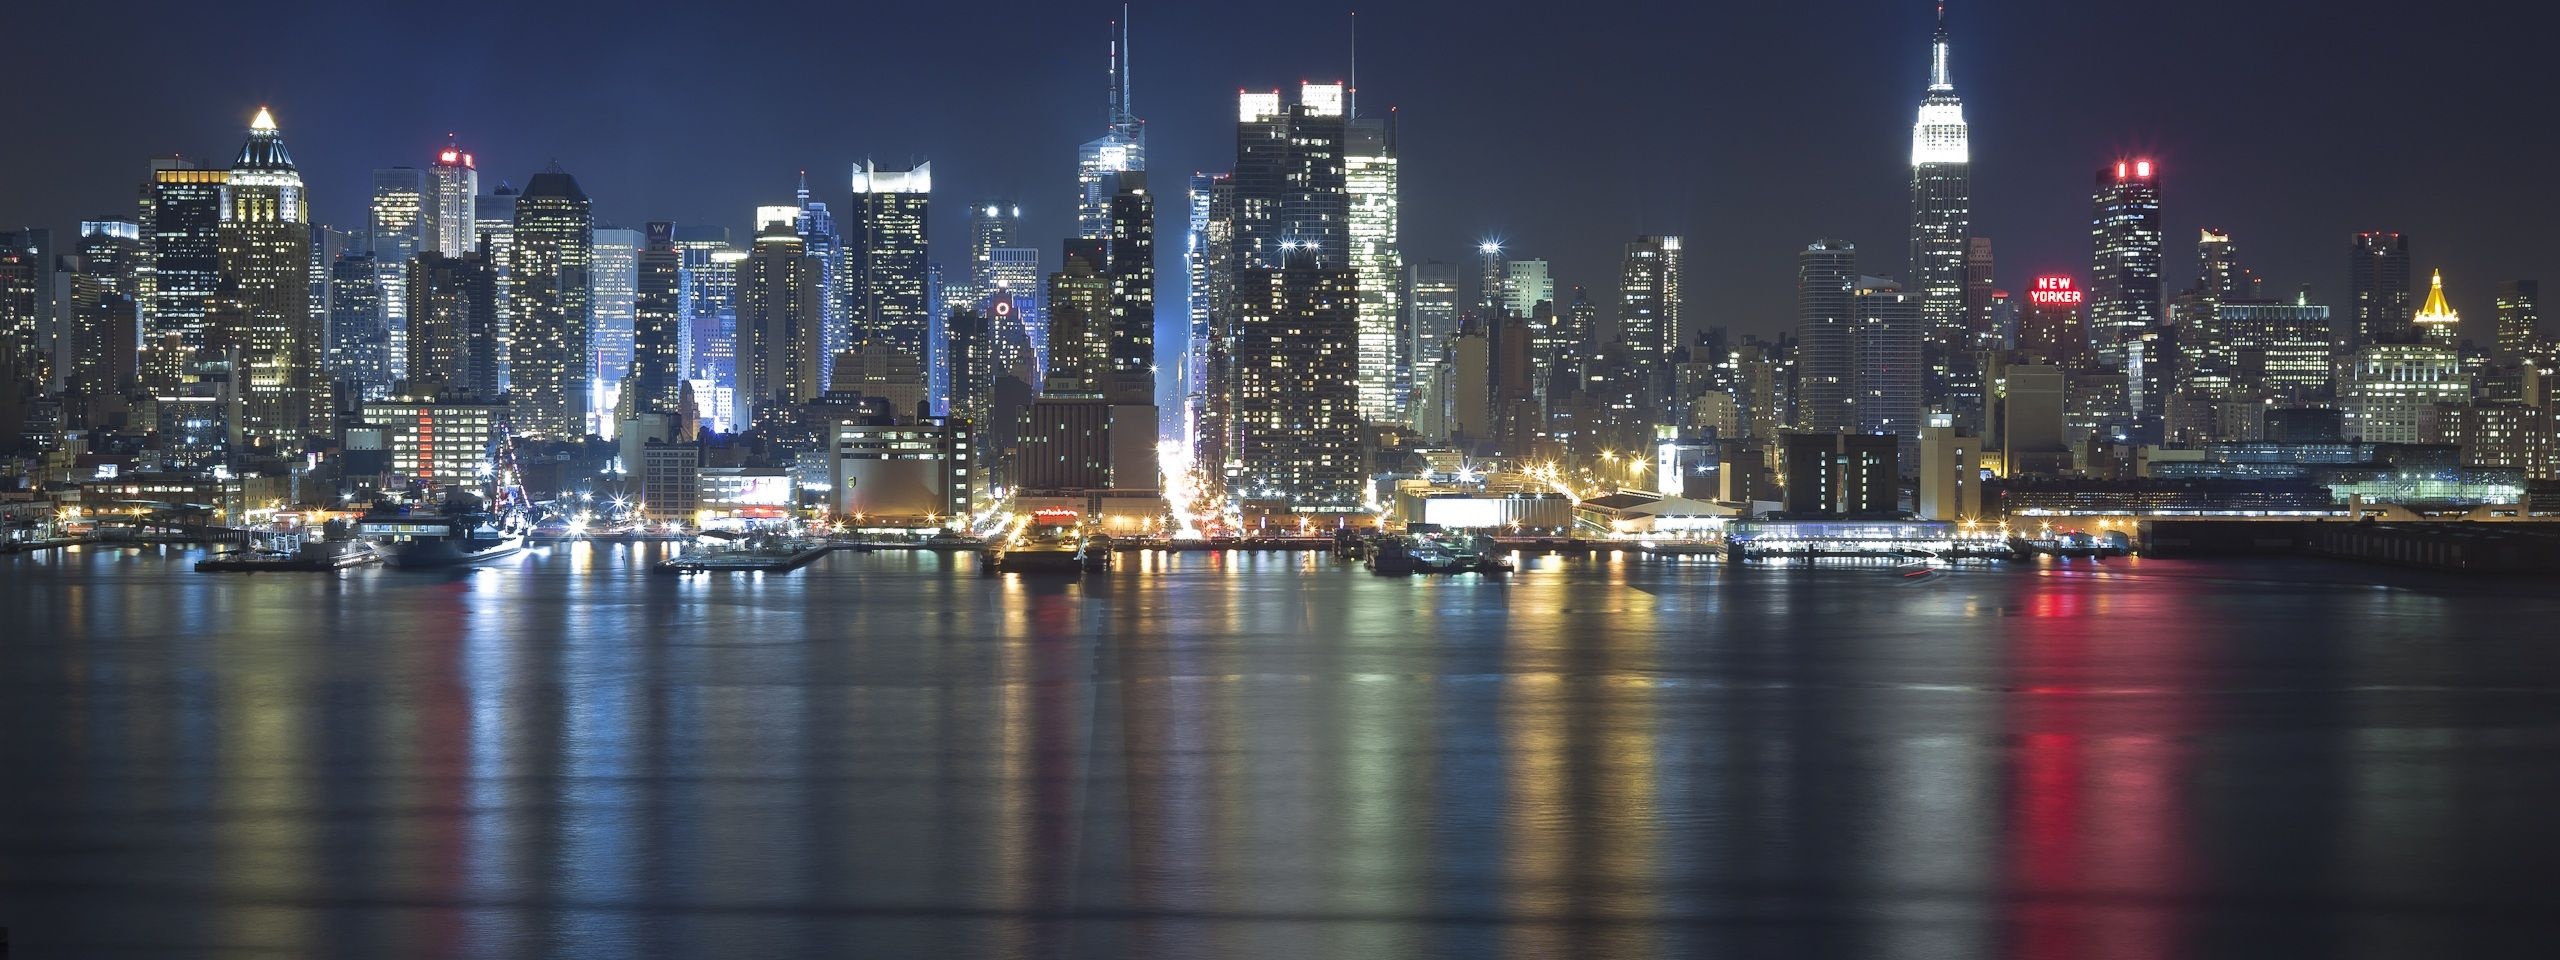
{"type": "Point", "coordinates": [1562, 128]}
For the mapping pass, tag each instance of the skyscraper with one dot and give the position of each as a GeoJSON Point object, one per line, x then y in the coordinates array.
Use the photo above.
{"type": "Point", "coordinates": [2378, 290]}
{"type": "Point", "coordinates": [991, 226]}
{"type": "Point", "coordinates": [1122, 148]}
{"type": "Point", "coordinates": [2437, 324]}
{"type": "Point", "coordinates": [662, 332]}
{"type": "Point", "coordinates": [453, 201]}
{"type": "Point", "coordinates": [1890, 327]}
{"type": "Point", "coordinates": [1493, 280]}
{"type": "Point", "coordinates": [817, 226]}
{"type": "Point", "coordinates": [359, 343]}
{"type": "Point", "coordinates": [554, 315]}
{"type": "Point", "coordinates": [1527, 283]}
{"type": "Point", "coordinates": [1133, 291]}
{"type": "Point", "coordinates": [265, 293]}
{"type": "Point", "coordinates": [1289, 178]}
{"type": "Point", "coordinates": [1980, 332]}
{"type": "Point", "coordinates": [1431, 332]}
{"type": "Point", "coordinates": [1296, 410]}
{"type": "Point", "coordinates": [613, 279]}
{"type": "Point", "coordinates": [1826, 334]}
{"type": "Point", "coordinates": [399, 227]}
{"type": "Point", "coordinates": [453, 327]}
{"type": "Point", "coordinates": [886, 263]}
{"type": "Point", "coordinates": [106, 333]}
{"type": "Point", "coordinates": [2124, 271]}
{"type": "Point", "coordinates": [2519, 318]}
{"type": "Point", "coordinates": [1377, 258]}
{"type": "Point", "coordinates": [1941, 197]}
{"type": "Point", "coordinates": [182, 223]}
{"type": "Point", "coordinates": [778, 320]}
{"type": "Point", "coordinates": [1649, 304]}
{"type": "Point", "coordinates": [1080, 325]}
{"type": "Point", "coordinates": [1016, 273]}
{"type": "Point", "coordinates": [496, 237]}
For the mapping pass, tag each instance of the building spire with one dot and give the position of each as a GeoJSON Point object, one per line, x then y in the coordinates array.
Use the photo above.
{"type": "Point", "coordinates": [1351, 108]}
{"type": "Point", "coordinates": [264, 122]}
{"type": "Point", "coordinates": [1122, 111]}
{"type": "Point", "coordinates": [804, 187]}
{"type": "Point", "coordinates": [1938, 80]}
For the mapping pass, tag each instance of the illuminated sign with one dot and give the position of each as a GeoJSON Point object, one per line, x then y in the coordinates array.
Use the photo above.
{"type": "Point", "coordinates": [2054, 292]}
{"type": "Point", "coordinates": [2136, 170]}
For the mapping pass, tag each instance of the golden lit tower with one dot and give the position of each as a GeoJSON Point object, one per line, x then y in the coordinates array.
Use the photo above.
{"type": "Point", "coordinates": [263, 320]}
{"type": "Point", "coordinates": [2436, 322]}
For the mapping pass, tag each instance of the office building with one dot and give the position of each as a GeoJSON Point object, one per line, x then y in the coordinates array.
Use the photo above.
{"type": "Point", "coordinates": [1122, 148]}
{"type": "Point", "coordinates": [105, 311]}
{"type": "Point", "coordinates": [779, 335]}
{"type": "Point", "coordinates": [1941, 198]}
{"type": "Point", "coordinates": [1826, 336]}
{"type": "Point", "coordinates": [2436, 323]}
{"type": "Point", "coordinates": [1649, 304]}
{"type": "Point", "coordinates": [1890, 326]}
{"type": "Point", "coordinates": [453, 199]}
{"type": "Point", "coordinates": [2391, 391]}
{"type": "Point", "coordinates": [1296, 406]}
{"type": "Point", "coordinates": [613, 280]}
{"type": "Point", "coordinates": [1132, 253]}
{"type": "Point", "coordinates": [495, 232]}
{"type": "Point", "coordinates": [453, 328]}
{"type": "Point", "coordinates": [2378, 292]}
{"type": "Point", "coordinates": [264, 299]}
{"type": "Point", "coordinates": [1289, 178]}
{"type": "Point", "coordinates": [2519, 319]}
{"type": "Point", "coordinates": [662, 331]}
{"type": "Point", "coordinates": [1982, 330]}
{"type": "Point", "coordinates": [182, 222]}
{"type": "Point", "coordinates": [2051, 329]}
{"type": "Point", "coordinates": [892, 472]}
{"type": "Point", "coordinates": [359, 339]}
{"type": "Point", "coordinates": [399, 226]}
{"type": "Point", "coordinates": [550, 362]}
{"type": "Point", "coordinates": [442, 444]}
{"type": "Point", "coordinates": [2032, 432]}
{"type": "Point", "coordinates": [1377, 258]}
{"type": "Point", "coordinates": [2124, 271]}
{"type": "Point", "coordinates": [886, 265]}
{"type": "Point", "coordinates": [1834, 475]}
{"type": "Point", "coordinates": [1950, 473]}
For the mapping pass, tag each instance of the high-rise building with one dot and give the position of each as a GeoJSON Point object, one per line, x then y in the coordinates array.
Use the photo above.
{"type": "Point", "coordinates": [1296, 409]}
{"type": "Point", "coordinates": [554, 247]}
{"type": "Point", "coordinates": [886, 264]}
{"type": "Point", "coordinates": [400, 225]}
{"type": "Point", "coordinates": [1377, 257]}
{"type": "Point", "coordinates": [2051, 330]}
{"type": "Point", "coordinates": [2378, 289]}
{"type": "Point", "coordinates": [1649, 304]}
{"type": "Point", "coordinates": [662, 331]}
{"type": "Point", "coordinates": [817, 227]}
{"type": "Point", "coordinates": [1016, 273]}
{"type": "Point", "coordinates": [613, 279]}
{"type": "Point", "coordinates": [711, 266]}
{"type": "Point", "coordinates": [182, 221]}
{"type": "Point", "coordinates": [1132, 345]}
{"type": "Point", "coordinates": [2436, 322]}
{"type": "Point", "coordinates": [778, 321]}
{"type": "Point", "coordinates": [1080, 328]}
{"type": "Point", "coordinates": [495, 234]}
{"type": "Point", "coordinates": [265, 293]}
{"type": "Point", "coordinates": [1527, 283]}
{"type": "Point", "coordinates": [1493, 280]}
{"type": "Point", "coordinates": [2279, 351]}
{"type": "Point", "coordinates": [1826, 334]}
{"type": "Point", "coordinates": [453, 201]}
{"type": "Point", "coordinates": [359, 343]}
{"type": "Point", "coordinates": [453, 328]}
{"type": "Point", "coordinates": [1941, 197]}
{"type": "Point", "coordinates": [2519, 318]}
{"type": "Point", "coordinates": [1204, 244]}
{"type": "Point", "coordinates": [106, 333]}
{"type": "Point", "coordinates": [991, 226]}
{"type": "Point", "coordinates": [1431, 287]}
{"type": "Point", "coordinates": [2124, 271]}
{"type": "Point", "coordinates": [1891, 324]}
{"type": "Point", "coordinates": [1981, 333]}
{"type": "Point", "coordinates": [1122, 148]}
{"type": "Point", "coordinates": [2394, 392]}
{"type": "Point", "coordinates": [1290, 187]}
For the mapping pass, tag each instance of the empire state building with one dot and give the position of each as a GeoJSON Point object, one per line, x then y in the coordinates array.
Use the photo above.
{"type": "Point", "coordinates": [1941, 197]}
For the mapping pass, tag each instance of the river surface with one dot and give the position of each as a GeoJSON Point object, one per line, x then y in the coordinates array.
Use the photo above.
{"type": "Point", "coordinates": [1202, 755]}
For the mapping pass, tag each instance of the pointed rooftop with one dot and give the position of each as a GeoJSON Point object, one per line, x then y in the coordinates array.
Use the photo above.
{"type": "Point", "coordinates": [553, 183]}
{"type": "Point", "coordinates": [264, 150]}
{"type": "Point", "coordinates": [2436, 310]}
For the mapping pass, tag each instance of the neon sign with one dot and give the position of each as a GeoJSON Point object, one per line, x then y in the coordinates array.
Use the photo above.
{"type": "Point", "coordinates": [2054, 292]}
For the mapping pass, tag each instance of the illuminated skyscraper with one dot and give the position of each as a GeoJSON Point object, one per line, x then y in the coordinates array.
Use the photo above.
{"type": "Point", "coordinates": [1289, 177]}
{"type": "Point", "coordinates": [554, 315]}
{"type": "Point", "coordinates": [1890, 328]}
{"type": "Point", "coordinates": [1015, 272]}
{"type": "Point", "coordinates": [453, 201]}
{"type": "Point", "coordinates": [1133, 292]}
{"type": "Point", "coordinates": [2378, 289]}
{"type": "Point", "coordinates": [359, 344]}
{"type": "Point", "coordinates": [2519, 318]}
{"type": "Point", "coordinates": [886, 264]}
{"type": "Point", "coordinates": [1080, 322]}
{"type": "Point", "coordinates": [399, 227]}
{"type": "Point", "coordinates": [1649, 304]}
{"type": "Point", "coordinates": [1981, 333]}
{"type": "Point", "coordinates": [1941, 197]}
{"type": "Point", "coordinates": [1377, 257]}
{"type": "Point", "coordinates": [182, 221]}
{"type": "Point", "coordinates": [453, 328]}
{"type": "Point", "coordinates": [613, 280]}
{"type": "Point", "coordinates": [2124, 271]}
{"type": "Point", "coordinates": [991, 226]}
{"type": "Point", "coordinates": [1493, 280]}
{"type": "Point", "coordinates": [106, 332]}
{"type": "Point", "coordinates": [1528, 284]}
{"type": "Point", "coordinates": [1826, 334]}
{"type": "Point", "coordinates": [265, 294]}
{"type": "Point", "coordinates": [778, 320]}
{"type": "Point", "coordinates": [1296, 409]}
{"type": "Point", "coordinates": [495, 234]}
{"type": "Point", "coordinates": [662, 332]}
{"type": "Point", "coordinates": [1431, 332]}
{"type": "Point", "coordinates": [817, 226]}
{"type": "Point", "coordinates": [1122, 148]}
{"type": "Point", "coordinates": [2437, 323]}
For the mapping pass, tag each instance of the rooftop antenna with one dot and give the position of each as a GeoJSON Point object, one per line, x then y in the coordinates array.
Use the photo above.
{"type": "Point", "coordinates": [1352, 108]}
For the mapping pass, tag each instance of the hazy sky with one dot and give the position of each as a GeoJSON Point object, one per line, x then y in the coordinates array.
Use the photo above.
{"type": "Point", "coordinates": [1563, 128]}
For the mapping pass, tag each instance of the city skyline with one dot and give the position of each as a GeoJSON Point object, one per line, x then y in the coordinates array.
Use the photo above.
{"type": "Point", "coordinates": [1847, 176]}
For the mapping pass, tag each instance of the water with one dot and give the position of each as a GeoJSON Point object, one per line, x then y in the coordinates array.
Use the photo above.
{"type": "Point", "coordinates": [1274, 756]}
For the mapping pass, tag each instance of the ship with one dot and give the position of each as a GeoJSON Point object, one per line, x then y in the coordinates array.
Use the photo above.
{"type": "Point", "coordinates": [334, 547]}
{"type": "Point", "coordinates": [461, 532]}
{"type": "Point", "coordinates": [1048, 542]}
{"type": "Point", "coordinates": [1428, 550]}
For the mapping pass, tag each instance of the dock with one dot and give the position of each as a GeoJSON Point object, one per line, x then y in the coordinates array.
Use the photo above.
{"type": "Point", "coordinates": [779, 558]}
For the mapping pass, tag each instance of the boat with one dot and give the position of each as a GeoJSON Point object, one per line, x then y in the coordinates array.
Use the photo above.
{"type": "Point", "coordinates": [334, 548]}
{"type": "Point", "coordinates": [1433, 551]}
{"type": "Point", "coordinates": [1045, 542]}
{"type": "Point", "coordinates": [461, 532]}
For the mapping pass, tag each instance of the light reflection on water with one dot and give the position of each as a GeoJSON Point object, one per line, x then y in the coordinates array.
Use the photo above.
{"type": "Point", "coordinates": [1271, 755]}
